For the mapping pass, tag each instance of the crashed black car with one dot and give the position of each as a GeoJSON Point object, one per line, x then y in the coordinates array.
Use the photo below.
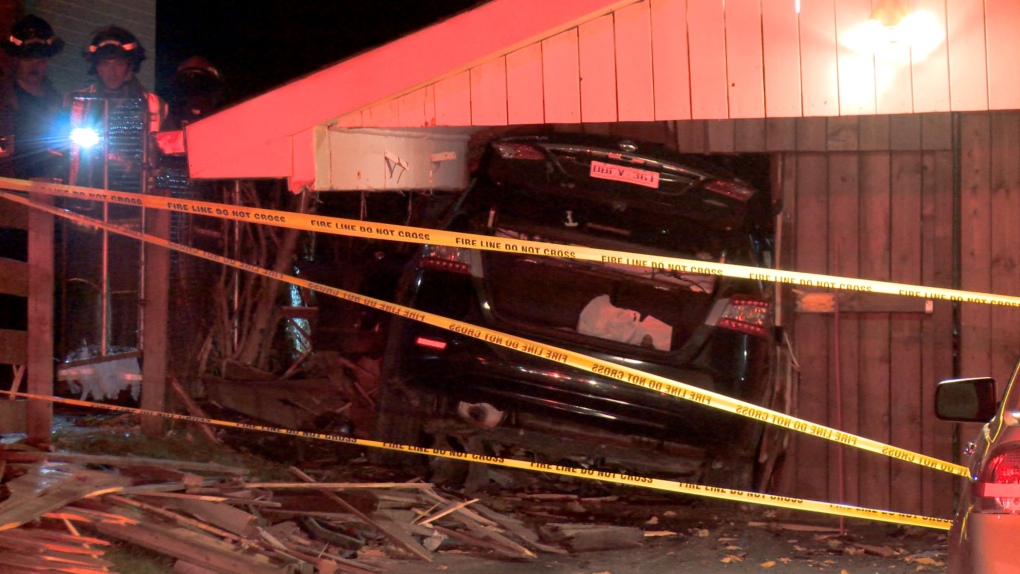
{"type": "Point", "coordinates": [705, 330]}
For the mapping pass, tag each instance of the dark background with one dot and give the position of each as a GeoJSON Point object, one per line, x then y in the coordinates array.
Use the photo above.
{"type": "Point", "coordinates": [258, 46]}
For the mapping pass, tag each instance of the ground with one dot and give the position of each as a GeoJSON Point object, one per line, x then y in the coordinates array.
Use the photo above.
{"type": "Point", "coordinates": [681, 533]}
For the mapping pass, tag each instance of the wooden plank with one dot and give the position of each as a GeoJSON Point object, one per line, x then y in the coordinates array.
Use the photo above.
{"type": "Point", "coordinates": [13, 277]}
{"type": "Point", "coordinates": [524, 86]}
{"type": "Point", "coordinates": [1005, 229]}
{"type": "Point", "coordinates": [842, 134]}
{"type": "Point", "coordinates": [385, 527]}
{"type": "Point", "coordinates": [930, 63]}
{"type": "Point", "coordinates": [652, 132]}
{"type": "Point", "coordinates": [873, 356]}
{"type": "Point", "coordinates": [670, 62]}
{"type": "Point", "coordinates": [873, 133]}
{"type": "Point", "coordinates": [692, 136]}
{"type": "Point", "coordinates": [121, 461]}
{"type": "Point", "coordinates": [223, 516]}
{"type": "Point", "coordinates": [412, 109]}
{"type": "Point", "coordinates": [784, 188]}
{"type": "Point", "coordinates": [706, 35]}
{"type": "Point", "coordinates": [855, 64]}
{"type": "Point", "coordinates": [905, 132]}
{"type": "Point", "coordinates": [842, 247]}
{"type": "Point", "coordinates": [598, 71]}
{"type": "Point", "coordinates": [937, 131]}
{"type": "Point", "coordinates": [488, 93]}
{"type": "Point", "coordinates": [905, 394]}
{"type": "Point", "coordinates": [784, 185]}
{"type": "Point", "coordinates": [820, 88]}
{"type": "Point", "coordinates": [430, 105]}
{"type": "Point", "coordinates": [781, 134]}
{"type": "Point", "coordinates": [721, 137]}
{"type": "Point", "coordinates": [781, 57]}
{"type": "Point", "coordinates": [1002, 18]}
{"type": "Point", "coordinates": [561, 78]}
{"type": "Point", "coordinates": [893, 88]}
{"type": "Point", "coordinates": [39, 362]}
{"type": "Point", "coordinates": [453, 100]}
{"type": "Point", "coordinates": [192, 548]}
{"type": "Point", "coordinates": [892, 63]}
{"type": "Point", "coordinates": [811, 332]}
{"type": "Point", "coordinates": [968, 79]}
{"type": "Point", "coordinates": [384, 115]}
{"type": "Point", "coordinates": [811, 134]}
{"type": "Point", "coordinates": [938, 339]}
{"type": "Point", "coordinates": [744, 65]}
{"type": "Point", "coordinates": [749, 135]}
{"type": "Point", "coordinates": [975, 243]}
{"type": "Point", "coordinates": [32, 504]}
{"type": "Point", "coordinates": [351, 120]}
{"type": "Point", "coordinates": [154, 324]}
{"type": "Point", "coordinates": [851, 302]}
{"type": "Point", "coordinates": [13, 215]}
{"type": "Point", "coordinates": [633, 28]}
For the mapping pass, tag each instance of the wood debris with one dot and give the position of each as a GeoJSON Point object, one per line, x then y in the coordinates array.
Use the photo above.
{"type": "Point", "coordinates": [61, 516]}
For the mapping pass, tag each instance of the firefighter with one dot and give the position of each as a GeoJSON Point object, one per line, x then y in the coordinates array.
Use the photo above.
{"type": "Point", "coordinates": [30, 107]}
{"type": "Point", "coordinates": [114, 56]}
{"type": "Point", "coordinates": [196, 91]}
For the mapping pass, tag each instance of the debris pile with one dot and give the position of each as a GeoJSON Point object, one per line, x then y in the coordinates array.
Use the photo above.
{"type": "Point", "coordinates": [62, 510]}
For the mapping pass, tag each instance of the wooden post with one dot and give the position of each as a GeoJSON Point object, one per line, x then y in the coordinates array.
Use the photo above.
{"type": "Point", "coordinates": [39, 417]}
{"type": "Point", "coordinates": [156, 298]}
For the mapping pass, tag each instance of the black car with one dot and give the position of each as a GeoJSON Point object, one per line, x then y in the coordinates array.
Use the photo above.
{"type": "Point", "coordinates": [705, 330]}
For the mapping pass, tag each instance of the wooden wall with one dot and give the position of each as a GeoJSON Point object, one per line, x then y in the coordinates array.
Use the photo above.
{"type": "Point", "coordinates": [873, 197]}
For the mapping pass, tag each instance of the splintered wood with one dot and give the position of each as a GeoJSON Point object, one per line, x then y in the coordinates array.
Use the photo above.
{"type": "Point", "coordinates": [60, 516]}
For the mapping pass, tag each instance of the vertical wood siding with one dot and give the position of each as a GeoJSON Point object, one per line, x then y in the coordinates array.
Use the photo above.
{"type": "Point", "coordinates": [680, 59]}
{"type": "Point", "coordinates": [872, 197]}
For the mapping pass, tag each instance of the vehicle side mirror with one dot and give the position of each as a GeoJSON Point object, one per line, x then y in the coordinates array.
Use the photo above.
{"type": "Point", "coordinates": [966, 400]}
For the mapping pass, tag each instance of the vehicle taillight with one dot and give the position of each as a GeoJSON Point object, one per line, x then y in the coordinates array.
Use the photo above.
{"type": "Point", "coordinates": [746, 315]}
{"type": "Point", "coordinates": [436, 344]}
{"type": "Point", "coordinates": [446, 258]}
{"type": "Point", "coordinates": [1000, 480]}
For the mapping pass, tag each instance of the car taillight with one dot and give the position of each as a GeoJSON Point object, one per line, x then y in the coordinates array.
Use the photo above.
{"type": "Point", "coordinates": [746, 315]}
{"type": "Point", "coordinates": [436, 344]}
{"type": "Point", "coordinates": [446, 258]}
{"type": "Point", "coordinates": [730, 189]}
{"type": "Point", "coordinates": [1000, 481]}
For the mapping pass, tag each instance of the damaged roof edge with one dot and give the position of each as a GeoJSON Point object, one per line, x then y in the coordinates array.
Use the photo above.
{"type": "Point", "coordinates": [252, 139]}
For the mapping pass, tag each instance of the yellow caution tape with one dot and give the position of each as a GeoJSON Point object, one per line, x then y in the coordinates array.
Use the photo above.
{"type": "Point", "coordinates": [604, 476]}
{"type": "Point", "coordinates": [390, 232]}
{"type": "Point", "coordinates": [605, 368]}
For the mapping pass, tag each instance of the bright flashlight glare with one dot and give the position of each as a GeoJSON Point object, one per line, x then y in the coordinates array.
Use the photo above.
{"type": "Point", "coordinates": [84, 137]}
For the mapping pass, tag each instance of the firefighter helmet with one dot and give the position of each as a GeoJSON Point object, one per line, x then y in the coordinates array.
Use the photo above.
{"type": "Point", "coordinates": [113, 42]}
{"type": "Point", "coordinates": [32, 37]}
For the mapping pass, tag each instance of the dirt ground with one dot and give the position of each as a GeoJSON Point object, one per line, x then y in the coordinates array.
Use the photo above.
{"type": "Point", "coordinates": [681, 533]}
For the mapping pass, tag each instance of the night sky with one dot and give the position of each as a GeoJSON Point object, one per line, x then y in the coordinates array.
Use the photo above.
{"type": "Point", "coordinates": [259, 46]}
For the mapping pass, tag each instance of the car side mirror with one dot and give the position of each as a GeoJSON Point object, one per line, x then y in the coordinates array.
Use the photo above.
{"type": "Point", "coordinates": [966, 400]}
